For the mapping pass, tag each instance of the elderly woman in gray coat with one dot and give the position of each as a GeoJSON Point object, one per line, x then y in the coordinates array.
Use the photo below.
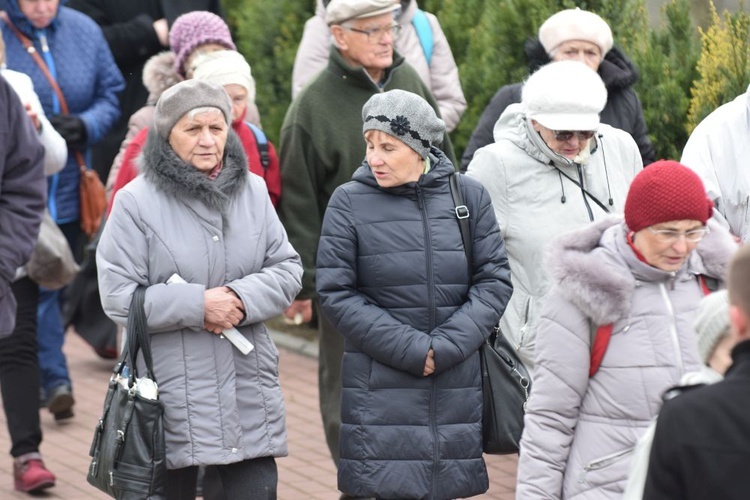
{"type": "Point", "coordinates": [197, 212]}
{"type": "Point", "coordinates": [597, 390]}
{"type": "Point", "coordinates": [392, 277]}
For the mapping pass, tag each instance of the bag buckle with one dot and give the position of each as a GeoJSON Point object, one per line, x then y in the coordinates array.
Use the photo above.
{"type": "Point", "coordinates": [462, 212]}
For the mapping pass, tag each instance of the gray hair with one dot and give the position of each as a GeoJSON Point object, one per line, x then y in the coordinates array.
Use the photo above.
{"type": "Point", "coordinates": [204, 109]}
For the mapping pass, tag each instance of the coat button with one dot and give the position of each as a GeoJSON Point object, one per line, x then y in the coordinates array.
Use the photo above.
{"type": "Point", "coordinates": [234, 450]}
{"type": "Point", "coordinates": [215, 238]}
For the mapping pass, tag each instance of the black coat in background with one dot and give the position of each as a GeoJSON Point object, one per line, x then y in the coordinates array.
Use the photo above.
{"type": "Point", "coordinates": [701, 448]}
{"type": "Point", "coordinates": [128, 28]}
{"type": "Point", "coordinates": [392, 278]}
{"type": "Point", "coordinates": [623, 109]}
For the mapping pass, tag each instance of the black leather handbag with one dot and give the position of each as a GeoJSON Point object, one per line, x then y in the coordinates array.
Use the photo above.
{"type": "Point", "coordinates": [505, 380]}
{"type": "Point", "coordinates": [128, 456]}
{"type": "Point", "coordinates": [505, 390]}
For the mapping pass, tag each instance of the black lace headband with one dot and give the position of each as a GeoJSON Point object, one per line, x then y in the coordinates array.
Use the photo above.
{"type": "Point", "coordinates": [400, 126]}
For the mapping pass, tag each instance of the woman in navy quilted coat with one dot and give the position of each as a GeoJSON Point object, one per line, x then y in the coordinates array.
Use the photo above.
{"type": "Point", "coordinates": [76, 53]}
{"type": "Point", "coordinates": [393, 279]}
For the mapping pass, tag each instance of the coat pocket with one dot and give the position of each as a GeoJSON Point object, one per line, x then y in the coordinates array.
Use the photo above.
{"type": "Point", "coordinates": [597, 471]}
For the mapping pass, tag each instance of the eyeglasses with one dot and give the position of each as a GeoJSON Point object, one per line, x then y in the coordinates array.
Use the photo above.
{"type": "Point", "coordinates": [376, 34]}
{"type": "Point", "coordinates": [566, 135]}
{"type": "Point", "coordinates": [671, 237]}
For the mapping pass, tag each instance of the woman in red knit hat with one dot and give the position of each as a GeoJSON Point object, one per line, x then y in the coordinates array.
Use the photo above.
{"type": "Point", "coordinates": [616, 332]}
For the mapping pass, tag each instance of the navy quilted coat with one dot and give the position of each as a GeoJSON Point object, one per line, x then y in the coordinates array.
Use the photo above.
{"type": "Point", "coordinates": [88, 76]}
{"type": "Point", "coordinates": [392, 277]}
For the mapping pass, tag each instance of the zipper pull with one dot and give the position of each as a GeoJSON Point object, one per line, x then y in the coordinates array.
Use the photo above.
{"type": "Point", "coordinates": [43, 41]}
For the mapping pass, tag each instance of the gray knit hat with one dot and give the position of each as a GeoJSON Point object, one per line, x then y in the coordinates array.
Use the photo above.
{"type": "Point", "coordinates": [185, 96]}
{"type": "Point", "coordinates": [711, 322]}
{"type": "Point", "coordinates": [407, 117]}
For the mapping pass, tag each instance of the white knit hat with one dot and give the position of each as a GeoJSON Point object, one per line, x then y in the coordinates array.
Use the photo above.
{"type": "Point", "coordinates": [575, 24]}
{"type": "Point", "coordinates": [225, 67]}
{"type": "Point", "coordinates": [565, 95]}
{"type": "Point", "coordinates": [711, 322]}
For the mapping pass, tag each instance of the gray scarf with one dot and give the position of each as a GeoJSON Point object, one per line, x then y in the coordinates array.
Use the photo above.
{"type": "Point", "coordinates": [165, 170]}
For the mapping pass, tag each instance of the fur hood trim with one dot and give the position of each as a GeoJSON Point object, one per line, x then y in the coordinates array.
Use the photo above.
{"type": "Point", "coordinates": [162, 167]}
{"type": "Point", "coordinates": [601, 288]}
{"type": "Point", "coordinates": [159, 74]}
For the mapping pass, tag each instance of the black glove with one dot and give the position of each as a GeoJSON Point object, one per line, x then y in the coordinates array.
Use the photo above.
{"type": "Point", "coordinates": [70, 127]}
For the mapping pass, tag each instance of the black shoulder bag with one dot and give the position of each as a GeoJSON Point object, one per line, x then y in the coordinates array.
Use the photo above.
{"type": "Point", "coordinates": [505, 380]}
{"type": "Point", "coordinates": [128, 458]}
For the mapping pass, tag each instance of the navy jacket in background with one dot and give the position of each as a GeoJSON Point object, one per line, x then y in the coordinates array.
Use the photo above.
{"type": "Point", "coordinates": [392, 278]}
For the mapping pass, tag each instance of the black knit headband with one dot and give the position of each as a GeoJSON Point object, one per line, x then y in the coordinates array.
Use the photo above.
{"type": "Point", "coordinates": [400, 126]}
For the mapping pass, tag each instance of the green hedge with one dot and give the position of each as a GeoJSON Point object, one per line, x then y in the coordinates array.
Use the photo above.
{"type": "Point", "coordinates": [487, 38]}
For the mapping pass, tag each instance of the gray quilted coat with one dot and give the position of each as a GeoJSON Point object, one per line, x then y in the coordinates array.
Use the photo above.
{"type": "Point", "coordinates": [220, 406]}
{"type": "Point", "coordinates": [393, 279]}
{"type": "Point", "coordinates": [579, 432]}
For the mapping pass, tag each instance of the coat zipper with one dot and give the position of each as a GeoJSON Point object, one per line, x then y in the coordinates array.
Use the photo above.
{"type": "Point", "coordinates": [603, 462]}
{"type": "Point", "coordinates": [431, 300]}
{"type": "Point", "coordinates": [673, 328]}
{"type": "Point", "coordinates": [583, 192]}
{"type": "Point", "coordinates": [525, 326]}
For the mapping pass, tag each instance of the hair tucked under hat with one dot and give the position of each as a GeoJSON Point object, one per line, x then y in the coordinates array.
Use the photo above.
{"type": "Point", "coordinates": [339, 11]}
{"type": "Point", "coordinates": [193, 29]}
{"type": "Point", "coordinates": [225, 67]}
{"type": "Point", "coordinates": [407, 117]}
{"type": "Point", "coordinates": [176, 101]}
{"type": "Point", "coordinates": [575, 24]}
{"type": "Point", "coordinates": [711, 322]}
{"type": "Point", "coordinates": [565, 95]}
{"type": "Point", "coordinates": [666, 191]}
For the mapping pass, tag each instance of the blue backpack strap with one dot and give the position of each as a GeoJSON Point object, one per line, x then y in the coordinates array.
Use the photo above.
{"type": "Point", "coordinates": [262, 142]}
{"type": "Point", "coordinates": [424, 33]}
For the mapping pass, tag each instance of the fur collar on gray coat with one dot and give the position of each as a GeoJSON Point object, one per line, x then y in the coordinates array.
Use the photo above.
{"type": "Point", "coordinates": [602, 291]}
{"type": "Point", "coordinates": [162, 167]}
{"type": "Point", "coordinates": [159, 75]}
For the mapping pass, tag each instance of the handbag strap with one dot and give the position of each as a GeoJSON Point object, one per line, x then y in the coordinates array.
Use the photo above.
{"type": "Point", "coordinates": [138, 339]}
{"type": "Point", "coordinates": [462, 214]}
{"type": "Point", "coordinates": [31, 50]}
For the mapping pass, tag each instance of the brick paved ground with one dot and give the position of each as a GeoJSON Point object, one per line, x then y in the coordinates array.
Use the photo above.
{"type": "Point", "coordinates": [307, 473]}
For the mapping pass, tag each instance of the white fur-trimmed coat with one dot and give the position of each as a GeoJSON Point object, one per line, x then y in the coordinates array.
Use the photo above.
{"type": "Point", "coordinates": [579, 432]}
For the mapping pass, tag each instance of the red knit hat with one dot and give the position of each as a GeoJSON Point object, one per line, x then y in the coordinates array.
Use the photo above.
{"type": "Point", "coordinates": [666, 191]}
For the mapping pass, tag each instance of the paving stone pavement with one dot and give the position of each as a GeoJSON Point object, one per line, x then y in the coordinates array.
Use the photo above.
{"type": "Point", "coordinates": [306, 474]}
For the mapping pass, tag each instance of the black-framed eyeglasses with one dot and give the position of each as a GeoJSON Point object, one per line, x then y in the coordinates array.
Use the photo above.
{"type": "Point", "coordinates": [566, 135]}
{"type": "Point", "coordinates": [376, 34]}
{"type": "Point", "coordinates": [668, 236]}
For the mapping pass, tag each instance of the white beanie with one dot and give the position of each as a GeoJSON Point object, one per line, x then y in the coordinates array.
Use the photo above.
{"type": "Point", "coordinates": [564, 95]}
{"type": "Point", "coordinates": [575, 24]}
{"type": "Point", "coordinates": [711, 322]}
{"type": "Point", "coordinates": [225, 67]}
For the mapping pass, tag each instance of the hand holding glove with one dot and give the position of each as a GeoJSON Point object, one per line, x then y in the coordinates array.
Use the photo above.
{"type": "Point", "coordinates": [71, 128]}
